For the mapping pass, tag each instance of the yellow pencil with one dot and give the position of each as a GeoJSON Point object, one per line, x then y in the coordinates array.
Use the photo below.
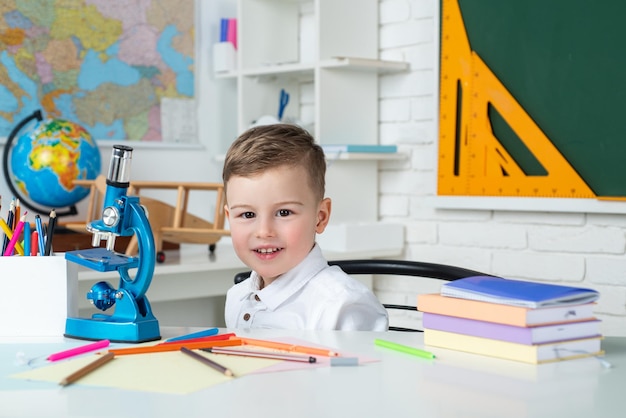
{"type": "Point", "coordinates": [16, 236]}
{"type": "Point", "coordinates": [9, 234]}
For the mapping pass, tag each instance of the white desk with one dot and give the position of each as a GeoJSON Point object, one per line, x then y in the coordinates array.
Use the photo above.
{"type": "Point", "coordinates": [453, 385]}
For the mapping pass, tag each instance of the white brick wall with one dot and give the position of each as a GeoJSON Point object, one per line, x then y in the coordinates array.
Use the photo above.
{"type": "Point", "coordinates": [574, 248]}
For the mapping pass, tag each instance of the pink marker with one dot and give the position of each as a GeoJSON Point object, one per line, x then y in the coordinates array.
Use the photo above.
{"type": "Point", "coordinates": [78, 350]}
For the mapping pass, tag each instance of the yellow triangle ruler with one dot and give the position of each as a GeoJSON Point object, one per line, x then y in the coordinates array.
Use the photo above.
{"type": "Point", "coordinates": [472, 161]}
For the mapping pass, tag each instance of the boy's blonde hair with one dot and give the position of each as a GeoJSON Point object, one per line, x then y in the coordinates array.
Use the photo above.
{"type": "Point", "coordinates": [265, 147]}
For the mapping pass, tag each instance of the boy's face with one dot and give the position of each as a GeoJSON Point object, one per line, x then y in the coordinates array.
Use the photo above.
{"type": "Point", "coordinates": [273, 219]}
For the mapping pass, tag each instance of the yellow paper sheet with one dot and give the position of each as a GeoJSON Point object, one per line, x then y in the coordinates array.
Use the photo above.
{"type": "Point", "coordinates": [167, 372]}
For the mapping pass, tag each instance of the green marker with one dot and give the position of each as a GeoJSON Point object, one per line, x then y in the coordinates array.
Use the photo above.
{"type": "Point", "coordinates": [404, 349]}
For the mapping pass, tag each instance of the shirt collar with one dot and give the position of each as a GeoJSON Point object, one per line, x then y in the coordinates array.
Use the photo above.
{"type": "Point", "coordinates": [290, 282]}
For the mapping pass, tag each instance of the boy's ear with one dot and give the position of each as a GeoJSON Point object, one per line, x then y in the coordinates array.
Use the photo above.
{"type": "Point", "coordinates": [323, 215]}
{"type": "Point", "coordinates": [226, 212]}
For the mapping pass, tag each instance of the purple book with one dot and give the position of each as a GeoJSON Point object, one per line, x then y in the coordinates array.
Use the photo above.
{"type": "Point", "coordinates": [520, 335]}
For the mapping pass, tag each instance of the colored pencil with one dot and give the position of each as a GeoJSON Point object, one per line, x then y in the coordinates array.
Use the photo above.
{"type": "Point", "coordinates": [204, 333]}
{"type": "Point", "coordinates": [214, 365]}
{"type": "Point", "coordinates": [52, 222]}
{"type": "Point", "coordinates": [17, 216]}
{"type": "Point", "coordinates": [404, 348]}
{"type": "Point", "coordinates": [27, 238]}
{"type": "Point", "coordinates": [34, 246]}
{"type": "Point", "coordinates": [78, 350]}
{"type": "Point", "coordinates": [16, 236]}
{"type": "Point", "coordinates": [289, 347]}
{"type": "Point", "coordinates": [175, 347]}
{"type": "Point", "coordinates": [87, 369]}
{"type": "Point", "coordinates": [262, 354]}
{"type": "Point", "coordinates": [5, 228]}
{"type": "Point", "coordinates": [200, 339]}
{"type": "Point", "coordinates": [10, 217]}
{"type": "Point", "coordinates": [41, 237]}
{"type": "Point", "coordinates": [8, 234]}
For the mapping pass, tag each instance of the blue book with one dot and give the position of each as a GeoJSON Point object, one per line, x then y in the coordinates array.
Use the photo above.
{"type": "Point", "coordinates": [517, 292]}
{"type": "Point", "coordinates": [335, 149]}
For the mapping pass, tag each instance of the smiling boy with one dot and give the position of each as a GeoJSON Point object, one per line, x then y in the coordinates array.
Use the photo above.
{"type": "Point", "coordinates": [274, 176]}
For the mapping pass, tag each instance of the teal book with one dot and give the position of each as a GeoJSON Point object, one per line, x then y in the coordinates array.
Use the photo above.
{"type": "Point", "coordinates": [357, 148]}
{"type": "Point", "coordinates": [517, 292]}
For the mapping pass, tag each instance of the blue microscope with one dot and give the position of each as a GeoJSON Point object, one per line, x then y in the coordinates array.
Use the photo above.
{"type": "Point", "coordinates": [132, 321]}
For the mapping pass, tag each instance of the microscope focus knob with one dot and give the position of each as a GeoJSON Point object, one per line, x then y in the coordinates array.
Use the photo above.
{"type": "Point", "coordinates": [110, 216]}
{"type": "Point", "coordinates": [102, 295]}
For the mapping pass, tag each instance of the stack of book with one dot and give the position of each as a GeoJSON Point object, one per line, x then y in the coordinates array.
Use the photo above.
{"type": "Point", "coordinates": [512, 319]}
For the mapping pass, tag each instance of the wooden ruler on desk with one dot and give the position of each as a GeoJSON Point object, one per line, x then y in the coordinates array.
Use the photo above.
{"type": "Point", "coordinates": [472, 160]}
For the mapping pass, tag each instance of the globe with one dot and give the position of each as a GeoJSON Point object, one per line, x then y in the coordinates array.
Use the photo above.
{"type": "Point", "coordinates": [46, 160]}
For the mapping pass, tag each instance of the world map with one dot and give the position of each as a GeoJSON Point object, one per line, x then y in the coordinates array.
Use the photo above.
{"type": "Point", "coordinates": [103, 64]}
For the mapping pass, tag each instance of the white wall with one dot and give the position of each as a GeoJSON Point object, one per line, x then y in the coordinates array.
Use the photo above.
{"type": "Point", "coordinates": [581, 249]}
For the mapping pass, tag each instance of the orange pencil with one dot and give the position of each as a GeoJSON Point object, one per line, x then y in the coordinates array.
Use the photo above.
{"type": "Point", "coordinates": [175, 347]}
{"type": "Point", "coordinates": [289, 347]}
{"type": "Point", "coordinates": [18, 209]}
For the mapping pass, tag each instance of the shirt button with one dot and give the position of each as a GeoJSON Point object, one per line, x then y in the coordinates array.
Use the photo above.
{"type": "Point", "coordinates": [246, 317]}
{"type": "Point", "coordinates": [257, 298]}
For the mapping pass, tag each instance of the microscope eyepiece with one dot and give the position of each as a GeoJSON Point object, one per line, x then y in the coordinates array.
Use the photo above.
{"type": "Point", "coordinates": [119, 168]}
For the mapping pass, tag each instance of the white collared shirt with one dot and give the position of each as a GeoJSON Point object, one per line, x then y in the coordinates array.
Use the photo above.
{"type": "Point", "coordinates": [312, 295]}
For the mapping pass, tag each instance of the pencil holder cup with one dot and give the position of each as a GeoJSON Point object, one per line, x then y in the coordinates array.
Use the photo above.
{"type": "Point", "coordinates": [224, 57]}
{"type": "Point", "coordinates": [40, 293]}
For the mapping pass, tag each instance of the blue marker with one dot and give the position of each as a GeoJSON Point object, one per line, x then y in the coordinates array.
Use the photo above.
{"type": "Point", "coordinates": [223, 30]}
{"type": "Point", "coordinates": [282, 103]}
{"type": "Point", "coordinates": [200, 334]}
{"type": "Point", "coordinates": [26, 238]}
{"type": "Point", "coordinates": [40, 234]}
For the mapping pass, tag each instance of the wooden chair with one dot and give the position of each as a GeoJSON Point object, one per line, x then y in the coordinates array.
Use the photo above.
{"type": "Point", "coordinates": [398, 268]}
{"type": "Point", "coordinates": [171, 223]}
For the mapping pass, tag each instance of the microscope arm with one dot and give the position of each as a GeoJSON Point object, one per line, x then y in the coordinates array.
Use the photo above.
{"type": "Point", "coordinates": [137, 222]}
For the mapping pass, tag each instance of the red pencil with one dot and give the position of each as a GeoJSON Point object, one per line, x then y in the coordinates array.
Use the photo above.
{"type": "Point", "coordinates": [33, 243]}
{"type": "Point", "coordinates": [219, 337]}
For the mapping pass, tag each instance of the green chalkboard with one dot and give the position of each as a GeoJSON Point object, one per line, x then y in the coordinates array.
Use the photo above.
{"type": "Point", "coordinates": [565, 63]}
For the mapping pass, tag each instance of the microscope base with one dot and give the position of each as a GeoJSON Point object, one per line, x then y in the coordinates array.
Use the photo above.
{"type": "Point", "coordinates": [98, 328]}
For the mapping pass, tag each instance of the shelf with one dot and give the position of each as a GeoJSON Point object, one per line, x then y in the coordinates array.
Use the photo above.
{"type": "Point", "coordinates": [365, 156]}
{"type": "Point", "coordinates": [354, 156]}
{"type": "Point", "coordinates": [281, 69]}
{"type": "Point", "coordinates": [305, 71]}
{"type": "Point", "coordinates": [325, 55]}
{"type": "Point", "coordinates": [364, 64]}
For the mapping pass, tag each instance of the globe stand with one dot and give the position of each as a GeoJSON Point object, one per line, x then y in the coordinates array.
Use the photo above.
{"type": "Point", "coordinates": [36, 115]}
{"type": "Point", "coordinates": [122, 215]}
